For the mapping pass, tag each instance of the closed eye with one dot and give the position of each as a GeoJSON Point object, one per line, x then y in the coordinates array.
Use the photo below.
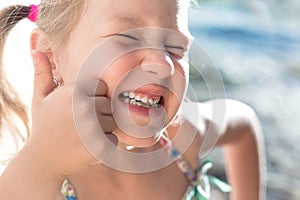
{"type": "Point", "coordinates": [174, 47]}
{"type": "Point", "coordinates": [175, 51]}
{"type": "Point", "coordinates": [127, 36]}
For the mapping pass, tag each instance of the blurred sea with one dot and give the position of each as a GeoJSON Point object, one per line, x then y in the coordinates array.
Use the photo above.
{"type": "Point", "coordinates": [257, 51]}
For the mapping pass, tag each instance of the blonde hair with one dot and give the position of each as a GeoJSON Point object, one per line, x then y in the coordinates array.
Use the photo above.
{"type": "Point", "coordinates": [56, 18]}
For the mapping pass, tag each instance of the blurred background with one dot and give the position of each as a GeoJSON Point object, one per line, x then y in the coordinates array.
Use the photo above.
{"type": "Point", "coordinates": [256, 46]}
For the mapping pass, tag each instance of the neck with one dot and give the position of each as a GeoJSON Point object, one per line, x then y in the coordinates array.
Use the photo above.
{"type": "Point", "coordinates": [133, 149]}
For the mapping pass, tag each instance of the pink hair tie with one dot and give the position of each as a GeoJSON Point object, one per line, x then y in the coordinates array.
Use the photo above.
{"type": "Point", "coordinates": [34, 10]}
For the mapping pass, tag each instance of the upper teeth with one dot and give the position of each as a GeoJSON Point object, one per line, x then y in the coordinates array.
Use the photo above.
{"type": "Point", "coordinates": [130, 97]}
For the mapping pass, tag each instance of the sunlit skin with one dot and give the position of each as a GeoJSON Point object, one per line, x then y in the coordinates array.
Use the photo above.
{"type": "Point", "coordinates": [116, 19]}
{"type": "Point", "coordinates": [54, 151]}
{"type": "Point", "coordinates": [143, 13]}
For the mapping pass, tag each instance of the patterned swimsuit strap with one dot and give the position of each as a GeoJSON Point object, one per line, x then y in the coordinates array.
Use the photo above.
{"type": "Point", "coordinates": [69, 193]}
{"type": "Point", "coordinates": [199, 180]}
{"type": "Point", "coordinates": [182, 164]}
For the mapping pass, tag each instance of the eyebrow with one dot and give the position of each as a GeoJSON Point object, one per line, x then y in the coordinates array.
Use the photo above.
{"type": "Point", "coordinates": [132, 21]}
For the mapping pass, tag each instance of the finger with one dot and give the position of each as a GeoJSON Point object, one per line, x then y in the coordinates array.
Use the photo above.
{"type": "Point", "coordinates": [107, 123]}
{"type": "Point", "coordinates": [102, 105]}
{"type": "Point", "coordinates": [43, 78]}
{"type": "Point", "coordinates": [113, 138]}
{"type": "Point", "coordinates": [93, 87]}
{"type": "Point", "coordinates": [101, 88]}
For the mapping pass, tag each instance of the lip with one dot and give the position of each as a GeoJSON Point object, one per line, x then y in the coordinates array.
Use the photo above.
{"type": "Point", "coordinates": [154, 90]}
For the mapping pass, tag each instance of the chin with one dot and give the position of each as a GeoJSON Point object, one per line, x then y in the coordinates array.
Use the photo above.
{"type": "Point", "coordinates": [137, 142]}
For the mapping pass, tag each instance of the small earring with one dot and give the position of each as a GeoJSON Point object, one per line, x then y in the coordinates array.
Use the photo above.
{"type": "Point", "coordinates": [56, 83]}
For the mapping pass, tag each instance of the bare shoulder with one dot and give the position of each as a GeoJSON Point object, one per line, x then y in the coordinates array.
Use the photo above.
{"type": "Point", "coordinates": [222, 120]}
{"type": "Point", "coordinates": [238, 118]}
{"type": "Point", "coordinates": [226, 108]}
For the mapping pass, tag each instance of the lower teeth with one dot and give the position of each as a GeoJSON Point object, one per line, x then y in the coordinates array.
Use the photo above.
{"type": "Point", "coordinates": [140, 104]}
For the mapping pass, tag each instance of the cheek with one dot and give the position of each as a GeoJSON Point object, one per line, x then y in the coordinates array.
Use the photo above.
{"type": "Point", "coordinates": [69, 66]}
{"type": "Point", "coordinates": [75, 54]}
{"type": "Point", "coordinates": [181, 67]}
{"type": "Point", "coordinates": [111, 78]}
{"type": "Point", "coordinates": [117, 70]}
{"type": "Point", "coordinates": [180, 82]}
{"type": "Point", "coordinates": [69, 74]}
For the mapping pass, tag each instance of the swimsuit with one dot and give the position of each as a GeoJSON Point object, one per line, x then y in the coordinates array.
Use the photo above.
{"type": "Point", "coordinates": [199, 187]}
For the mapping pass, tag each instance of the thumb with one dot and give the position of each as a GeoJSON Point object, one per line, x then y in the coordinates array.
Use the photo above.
{"type": "Point", "coordinates": [43, 78]}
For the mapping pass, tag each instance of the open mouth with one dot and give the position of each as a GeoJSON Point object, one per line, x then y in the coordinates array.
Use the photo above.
{"type": "Point", "coordinates": [141, 100]}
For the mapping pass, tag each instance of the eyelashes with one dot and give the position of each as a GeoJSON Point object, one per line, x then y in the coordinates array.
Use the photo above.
{"type": "Point", "coordinates": [175, 47]}
{"type": "Point", "coordinates": [127, 36]}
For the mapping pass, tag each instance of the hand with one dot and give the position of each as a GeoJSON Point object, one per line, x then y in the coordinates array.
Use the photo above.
{"type": "Point", "coordinates": [54, 134]}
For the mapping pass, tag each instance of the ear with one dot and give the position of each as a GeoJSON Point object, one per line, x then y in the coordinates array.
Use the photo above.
{"type": "Point", "coordinates": [40, 41]}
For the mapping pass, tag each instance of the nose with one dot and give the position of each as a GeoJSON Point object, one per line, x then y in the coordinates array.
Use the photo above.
{"type": "Point", "coordinates": [158, 63]}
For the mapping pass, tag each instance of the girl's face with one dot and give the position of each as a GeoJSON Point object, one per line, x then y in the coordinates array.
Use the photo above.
{"type": "Point", "coordinates": [106, 19]}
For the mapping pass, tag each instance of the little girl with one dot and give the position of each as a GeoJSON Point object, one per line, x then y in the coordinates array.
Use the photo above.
{"type": "Point", "coordinates": [105, 120]}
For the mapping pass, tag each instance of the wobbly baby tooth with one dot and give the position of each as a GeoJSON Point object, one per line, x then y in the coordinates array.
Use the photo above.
{"type": "Point", "coordinates": [151, 102]}
{"type": "Point", "coordinates": [144, 100]}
